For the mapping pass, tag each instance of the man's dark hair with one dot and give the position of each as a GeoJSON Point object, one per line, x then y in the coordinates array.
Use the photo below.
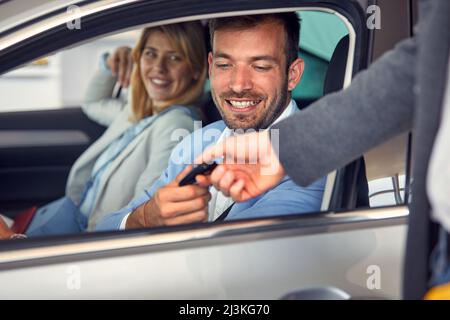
{"type": "Point", "coordinates": [289, 20]}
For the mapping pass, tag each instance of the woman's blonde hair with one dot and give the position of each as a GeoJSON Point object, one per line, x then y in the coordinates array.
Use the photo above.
{"type": "Point", "coordinates": [189, 40]}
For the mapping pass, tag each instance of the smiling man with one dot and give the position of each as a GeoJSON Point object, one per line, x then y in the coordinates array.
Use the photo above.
{"type": "Point", "coordinates": [253, 68]}
{"type": "Point", "coordinates": [250, 76]}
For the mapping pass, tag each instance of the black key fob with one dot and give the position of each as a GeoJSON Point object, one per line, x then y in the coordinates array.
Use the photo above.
{"type": "Point", "coordinates": [203, 168]}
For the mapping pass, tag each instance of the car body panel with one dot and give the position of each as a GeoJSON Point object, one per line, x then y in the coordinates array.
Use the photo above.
{"type": "Point", "coordinates": [254, 259]}
{"type": "Point", "coordinates": [17, 12]}
{"type": "Point", "coordinates": [221, 261]}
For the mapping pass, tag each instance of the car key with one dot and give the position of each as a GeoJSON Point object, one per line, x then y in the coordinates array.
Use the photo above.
{"type": "Point", "coordinates": [203, 168]}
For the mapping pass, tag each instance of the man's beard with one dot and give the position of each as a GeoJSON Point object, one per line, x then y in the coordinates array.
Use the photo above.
{"type": "Point", "coordinates": [273, 111]}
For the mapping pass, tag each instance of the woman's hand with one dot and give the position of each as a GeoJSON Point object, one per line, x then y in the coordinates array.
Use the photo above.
{"type": "Point", "coordinates": [121, 65]}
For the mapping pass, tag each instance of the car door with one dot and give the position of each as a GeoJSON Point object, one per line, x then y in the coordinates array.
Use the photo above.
{"type": "Point", "coordinates": [358, 251]}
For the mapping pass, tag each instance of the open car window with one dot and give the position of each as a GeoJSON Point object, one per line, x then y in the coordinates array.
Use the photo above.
{"type": "Point", "coordinates": [64, 74]}
{"type": "Point", "coordinates": [65, 77]}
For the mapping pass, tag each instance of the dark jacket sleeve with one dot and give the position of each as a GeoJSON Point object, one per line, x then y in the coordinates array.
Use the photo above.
{"type": "Point", "coordinates": [341, 126]}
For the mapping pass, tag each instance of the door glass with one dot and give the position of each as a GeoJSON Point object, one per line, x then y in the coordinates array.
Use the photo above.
{"type": "Point", "coordinates": [59, 80]}
{"type": "Point", "coordinates": [320, 33]}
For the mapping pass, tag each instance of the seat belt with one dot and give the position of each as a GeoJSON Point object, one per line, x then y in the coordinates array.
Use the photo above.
{"type": "Point", "coordinates": [225, 213]}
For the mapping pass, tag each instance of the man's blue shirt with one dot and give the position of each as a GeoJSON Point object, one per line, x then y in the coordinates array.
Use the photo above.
{"type": "Point", "coordinates": [286, 198]}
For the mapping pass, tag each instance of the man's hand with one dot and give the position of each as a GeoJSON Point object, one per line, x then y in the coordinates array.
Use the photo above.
{"type": "Point", "coordinates": [250, 166]}
{"type": "Point", "coordinates": [121, 65]}
{"type": "Point", "coordinates": [172, 205]}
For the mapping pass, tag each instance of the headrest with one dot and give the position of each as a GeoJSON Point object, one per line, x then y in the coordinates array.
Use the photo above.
{"type": "Point", "coordinates": [334, 79]}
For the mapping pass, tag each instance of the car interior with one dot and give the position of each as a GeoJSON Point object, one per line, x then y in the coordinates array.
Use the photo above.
{"type": "Point", "coordinates": [47, 142]}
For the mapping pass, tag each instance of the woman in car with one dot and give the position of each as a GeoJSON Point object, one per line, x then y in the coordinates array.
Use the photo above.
{"type": "Point", "coordinates": [167, 71]}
